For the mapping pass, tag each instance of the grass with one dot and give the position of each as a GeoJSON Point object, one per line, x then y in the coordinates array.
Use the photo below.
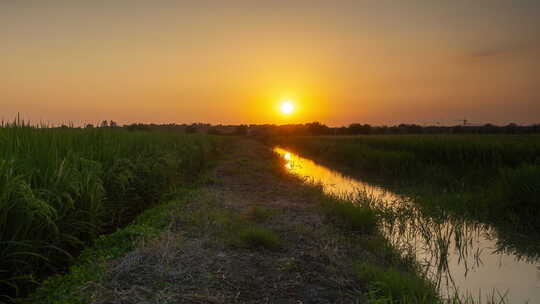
{"type": "Point", "coordinates": [257, 237]}
{"type": "Point", "coordinates": [391, 285]}
{"type": "Point", "coordinates": [62, 188]}
{"type": "Point", "coordinates": [241, 230]}
{"type": "Point", "coordinates": [350, 216]}
{"type": "Point", "coordinates": [389, 276]}
{"type": "Point", "coordinates": [75, 287]}
{"type": "Point", "coordinates": [258, 214]}
{"type": "Point", "coordinates": [384, 274]}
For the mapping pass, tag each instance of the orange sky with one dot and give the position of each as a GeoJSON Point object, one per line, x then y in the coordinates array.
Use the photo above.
{"type": "Point", "coordinates": [375, 62]}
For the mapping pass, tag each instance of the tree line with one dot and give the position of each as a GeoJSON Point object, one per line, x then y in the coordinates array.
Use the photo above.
{"type": "Point", "coordinates": [317, 128]}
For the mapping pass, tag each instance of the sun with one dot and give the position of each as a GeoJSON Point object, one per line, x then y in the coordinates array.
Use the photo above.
{"type": "Point", "coordinates": [287, 107]}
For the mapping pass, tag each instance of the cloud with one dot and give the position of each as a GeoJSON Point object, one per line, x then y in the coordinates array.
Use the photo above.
{"type": "Point", "coordinates": [505, 50]}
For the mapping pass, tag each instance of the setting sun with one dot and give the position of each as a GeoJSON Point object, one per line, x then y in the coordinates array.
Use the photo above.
{"type": "Point", "coordinates": [287, 107]}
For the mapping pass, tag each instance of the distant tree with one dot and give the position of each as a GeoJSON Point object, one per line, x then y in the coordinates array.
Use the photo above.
{"type": "Point", "coordinates": [357, 128]}
{"type": "Point", "coordinates": [113, 124]}
{"type": "Point", "coordinates": [511, 128]}
{"type": "Point", "coordinates": [214, 131]}
{"type": "Point", "coordinates": [354, 128]}
{"type": "Point", "coordinates": [137, 127]}
{"type": "Point", "coordinates": [191, 128]}
{"type": "Point", "coordinates": [104, 124]}
{"type": "Point", "coordinates": [317, 128]}
{"type": "Point", "coordinates": [241, 130]}
{"type": "Point", "coordinates": [89, 126]}
{"type": "Point", "coordinates": [341, 131]}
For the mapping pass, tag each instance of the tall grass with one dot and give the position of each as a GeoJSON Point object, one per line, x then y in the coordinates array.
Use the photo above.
{"type": "Point", "coordinates": [60, 188]}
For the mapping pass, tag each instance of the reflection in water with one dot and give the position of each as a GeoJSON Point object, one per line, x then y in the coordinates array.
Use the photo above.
{"type": "Point", "coordinates": [333, 182]}
{"type": "Point", "coordinates": [458, 255]}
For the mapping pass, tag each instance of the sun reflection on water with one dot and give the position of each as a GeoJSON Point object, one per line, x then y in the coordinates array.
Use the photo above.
{"type": "Point", "coordinates": [333, 182]}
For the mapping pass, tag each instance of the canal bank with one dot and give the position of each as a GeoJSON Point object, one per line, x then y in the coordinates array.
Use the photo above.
{"type": "Point", "coordinates": [460, 256]}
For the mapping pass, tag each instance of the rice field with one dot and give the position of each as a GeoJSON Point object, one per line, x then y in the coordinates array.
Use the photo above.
{"type": "Point", "coordinates": [61, 188]}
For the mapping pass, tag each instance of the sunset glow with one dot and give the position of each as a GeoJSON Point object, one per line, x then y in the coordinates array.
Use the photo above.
{"type": "Point", "coordinates": [376, 62]}
{"type": "Point", "coordinates": [287, 107]}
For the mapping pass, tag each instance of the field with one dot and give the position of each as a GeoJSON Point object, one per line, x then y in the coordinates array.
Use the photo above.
{"type": "Point", "coordinates": [495, 179]}
{"type": "Point", "coordinates": [173, 217]}
{"type": "Point", "coordinates": [61, 188]}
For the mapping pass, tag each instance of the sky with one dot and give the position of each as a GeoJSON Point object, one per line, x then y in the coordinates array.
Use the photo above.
{"type": "Point", "coordinates": [230, 62]}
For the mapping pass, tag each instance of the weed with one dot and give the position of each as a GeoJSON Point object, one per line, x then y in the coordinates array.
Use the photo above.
{"type": "Point", "coordinates": [395, 286]}
{"type": "Point", "coordinates": [351, 217]}
{"type": "Point", "coordinates": [256, 237]}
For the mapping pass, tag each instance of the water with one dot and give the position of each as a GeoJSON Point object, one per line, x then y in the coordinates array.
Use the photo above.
{"type": "Point", "coordinates": [458, 255]}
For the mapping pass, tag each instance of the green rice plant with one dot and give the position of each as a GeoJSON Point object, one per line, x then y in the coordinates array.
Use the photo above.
{"type": "Point", "coordinates": [60, 188]}
{"type": "Point", "coordinates": [519, 194]}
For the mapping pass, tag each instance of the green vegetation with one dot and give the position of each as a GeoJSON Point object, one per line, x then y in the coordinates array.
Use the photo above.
{"type": "Point", "coordinates": [258, 214]}
{"type": "Point", "coordinates": [350, 216]}
{"type": "Point", "coordinates": [62, 188]}
{"type": "Point", "coordinates": [90, 266]}
{"type": "Point", "coordinates": [64, 192]}
{"type": "Point", "coordinates": [388, 276]}
{"type": "Point", "coordinates": [240, 230]}
{"type": "Point", "coordinates": [491, 178]}
{"type": "Point", "coordinates": [385, 274]}
{"type": "Point", "coordinates": [391, 285]}
{"type": "Point", "coordinates": [255, 237]}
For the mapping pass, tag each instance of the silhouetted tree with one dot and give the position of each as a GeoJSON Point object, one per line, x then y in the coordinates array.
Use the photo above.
{"type": "Point", "coordinates": [316, 128]}
{"type": "Point", "coordinates": [241, 130]}
{"type": "Point", "coordinates": [191, 128]}
{"type": "Point", "coordinates": [214, 131]}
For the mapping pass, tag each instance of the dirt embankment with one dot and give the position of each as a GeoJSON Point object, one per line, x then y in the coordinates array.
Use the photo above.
{"type": "Point", "coordinates": [252, 234]}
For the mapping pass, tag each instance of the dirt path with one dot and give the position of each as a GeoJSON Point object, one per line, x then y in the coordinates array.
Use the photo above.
{"type": "Point", "coordinates": [251, 235]}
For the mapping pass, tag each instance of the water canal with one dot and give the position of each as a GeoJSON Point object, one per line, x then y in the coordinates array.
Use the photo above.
{"type": "Point", "coordinates": [458, 255]}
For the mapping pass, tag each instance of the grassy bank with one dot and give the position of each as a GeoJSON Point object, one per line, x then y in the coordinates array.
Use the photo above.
{"type": "Point", "coordinates": [80, 284]}
{"type": "Point", "coordinates": [62, 188]}
{"type": "Point", "coordinates": [491, 178]}
{"type": "Point", "coordinates": [383, 274]}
